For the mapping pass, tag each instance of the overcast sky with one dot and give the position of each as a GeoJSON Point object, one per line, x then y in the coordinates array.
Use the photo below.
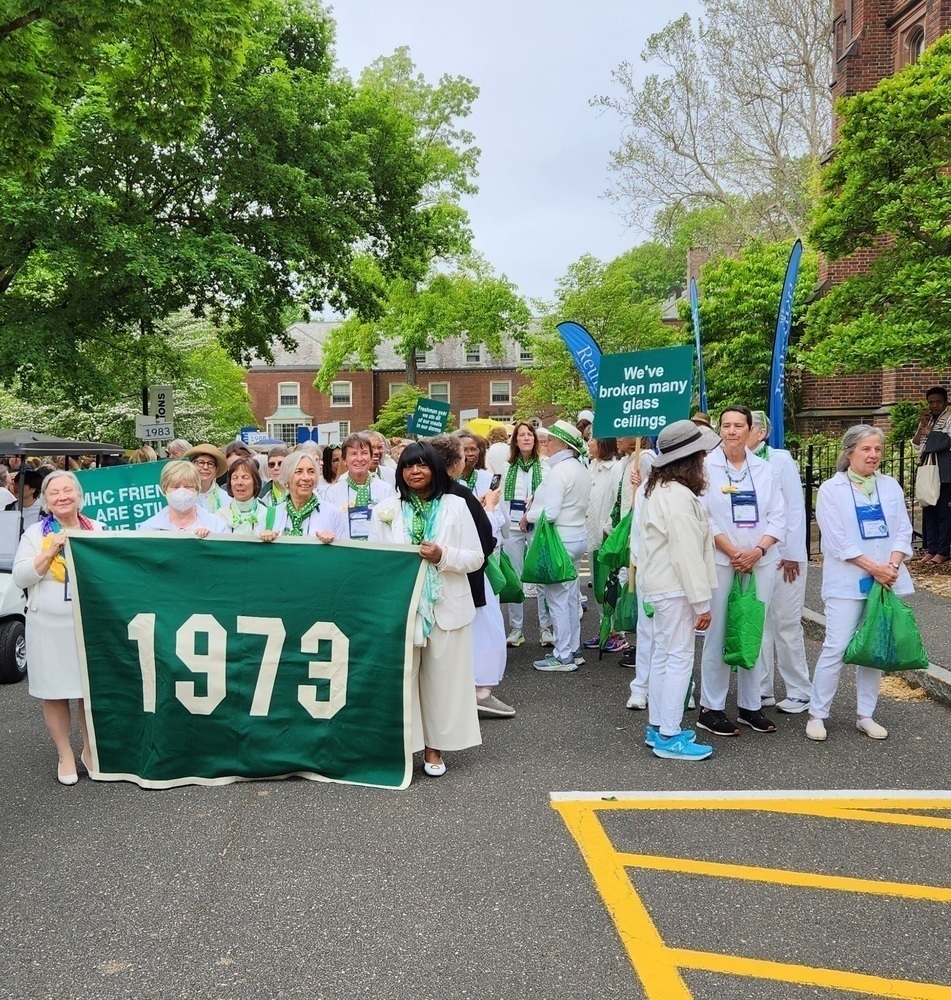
{"type": "Point", "coordinates": [545, 151]}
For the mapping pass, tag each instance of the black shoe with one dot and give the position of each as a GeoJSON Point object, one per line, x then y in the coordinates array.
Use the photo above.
{"type": "Point", "coordinates": [716, 722]}
{"type": "Point", "coordinates": [629, 659]}
{"type": "Point", "coordinates": [756, 720]}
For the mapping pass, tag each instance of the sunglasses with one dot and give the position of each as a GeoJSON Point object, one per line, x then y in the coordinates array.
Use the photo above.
{"type": "Point", "coordinates": [275, 465]}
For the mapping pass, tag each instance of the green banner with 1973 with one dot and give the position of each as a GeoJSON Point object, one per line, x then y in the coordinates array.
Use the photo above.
{"type": "Point", "coordinates": [207, 661]}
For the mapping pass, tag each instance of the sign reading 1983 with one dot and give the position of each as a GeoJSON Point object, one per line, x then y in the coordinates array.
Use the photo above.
{"type": "Point", "coordinates": [210, 660]}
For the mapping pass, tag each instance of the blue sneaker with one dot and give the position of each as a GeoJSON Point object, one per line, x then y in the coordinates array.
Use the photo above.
{"type": "Point", "coordinates": [680, 747]}
{"type": "Point", "coordinates": [651, 736]}
{"type": "Point", "coordinates": [552, 663]}
{"type": "Point", "coordinates": [593, 643]}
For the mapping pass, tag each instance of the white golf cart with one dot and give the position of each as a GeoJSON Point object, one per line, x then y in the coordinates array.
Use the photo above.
{"type": "Point", "coordinates": [26, 444]}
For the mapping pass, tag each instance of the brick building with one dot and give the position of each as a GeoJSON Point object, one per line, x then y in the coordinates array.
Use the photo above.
{"type": "Point", "coordinates": [284, 398]}
{"type": "Point", "coordinates": [872, 39]}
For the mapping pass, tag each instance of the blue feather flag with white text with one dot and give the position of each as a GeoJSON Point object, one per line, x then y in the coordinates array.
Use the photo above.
{"type": "Point", "coordinates": [777, 379]}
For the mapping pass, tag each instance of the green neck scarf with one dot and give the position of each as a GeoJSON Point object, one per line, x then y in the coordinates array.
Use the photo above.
{"type": "Point", "coordinates": [422, 510]}
{"type": "Point", "coordinates": [520, 465]}
{"type": "Point", "coordinates": [470, 480]}
{"type": "Point", "coordinates": [243, 512]}
{"type": "Point", "coordinates": [762, 452]}
{"type": "Point", "coordinates": [865, 483]}
{"type": "Point", "coordinates": [362, 492]}
{"type": "Point", "coordinates": [298, 517]}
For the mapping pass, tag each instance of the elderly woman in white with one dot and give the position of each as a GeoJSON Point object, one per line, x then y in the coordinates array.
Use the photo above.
{"type": "Point", "coordinates": [424, 513]}
{"type": "Point", "coordinates": [746, 507]}
{"type": "Point", "coordinates": [302, 512]}
{"type": "Point", "coordinates": [40, 569]}
{"type": "Point", "coordinates": [180, 483]}
{"type": "Point", "coordinates": [866, 536]}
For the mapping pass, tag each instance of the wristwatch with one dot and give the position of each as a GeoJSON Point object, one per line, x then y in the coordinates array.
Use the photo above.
{"type": "Point", "coordinates": [763, 550]}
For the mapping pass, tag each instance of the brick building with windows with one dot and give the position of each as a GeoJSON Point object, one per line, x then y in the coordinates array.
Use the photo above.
{"type": "Point", "coordinates": [872, 39]}
{"type": "Point", "coordinates": [284, 398]}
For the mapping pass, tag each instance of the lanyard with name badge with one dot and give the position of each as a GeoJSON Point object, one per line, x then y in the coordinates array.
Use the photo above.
{"type": "Point", "coordinates": [871, 519]}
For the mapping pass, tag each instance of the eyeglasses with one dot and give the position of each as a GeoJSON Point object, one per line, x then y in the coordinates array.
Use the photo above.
{"type": "Point", "coordinates": [275, 465]}
{"type": "Point", "coordinates": [206, 463]}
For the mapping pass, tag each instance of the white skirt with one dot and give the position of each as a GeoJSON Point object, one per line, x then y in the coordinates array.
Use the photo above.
{"type": "Point", "coordinates": [489, 651]}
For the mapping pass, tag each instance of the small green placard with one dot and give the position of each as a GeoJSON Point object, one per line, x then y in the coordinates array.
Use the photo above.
{"type": "Point", "coordinates": [430, 417]}
{"type": "Point", "coordinates": [122, 496]}
{"type": "Point", "coordinates": [641, 392]}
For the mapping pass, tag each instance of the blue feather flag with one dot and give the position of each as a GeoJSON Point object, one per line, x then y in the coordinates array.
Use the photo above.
{"type": "Point", "coordinates": [584, 352]}
{"type": "Point", "coordinates": [777, 379]}
{"type": "Point", "coordinates": [695, 314]}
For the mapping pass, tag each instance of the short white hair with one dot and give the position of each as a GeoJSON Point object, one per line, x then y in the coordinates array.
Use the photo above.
{"type": "Point", "coordinates": [289, 466]}
{"type": "Point", "coordinates": [60, 474]}
{"type": "Point", "coordinates": [180, 443]}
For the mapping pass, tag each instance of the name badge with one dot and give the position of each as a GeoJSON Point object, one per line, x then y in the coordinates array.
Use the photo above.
{"type": "Point", "coordinates": [744, 509]}
{"type": "Point", "coordinates": [359, 521]}
{"type": "Point", "coordinates": [516, 510]}
{"type": "Point", "coordinates": [872, 522]}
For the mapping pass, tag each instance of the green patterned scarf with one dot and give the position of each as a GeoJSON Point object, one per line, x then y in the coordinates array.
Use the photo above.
{"type": "Point", "coordinates": [520, 465]}
{"type": "Point", "coordinates": [422, 515]}
{"type": "Point", "coordinates": [470, 480]}
{"type": "Point", "coordinates": [298, 517]}
{"type": "Point", "coordinates": [762, 452]}
{"type": "Point", "coordinates": [419, 520]}
{"type": "Point", "coordinates": [362, 492]}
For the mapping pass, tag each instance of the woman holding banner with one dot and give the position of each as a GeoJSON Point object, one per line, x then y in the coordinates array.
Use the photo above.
{"type": "Point", "coordinates": [302, 512]}
{"type": "Point", "coordinates": [40, 569]}
{"type": "Point", "coordinates": [180, 483]}
{"type": "Point", "coordinates": [426, 514]}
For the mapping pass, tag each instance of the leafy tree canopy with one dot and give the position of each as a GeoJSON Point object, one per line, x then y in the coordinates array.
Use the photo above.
{"type": "Point", "coordinates": [294, 180]}
{"type": "Point", "coordinates": [154, 66]}
{"type": "Point", "coordinates": [739, 302]}
{"type": "Point", "coordinates": [889, 189]}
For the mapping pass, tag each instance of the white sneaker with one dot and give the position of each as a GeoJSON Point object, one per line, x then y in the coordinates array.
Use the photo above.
{"type": "Point", "coordinates": [547, 639]}
{"type": "Point", "coordinates": [792, 706]}
{"type": "Point", "coordinates": [515, 638]}
{"type": "Point", "coordinates": [815, 730]}
{"type": "Point", "coordinates": [871, 728]}
{"type": "Point", "coordinates": [768, 701]}
{"type": "Point", "coordinates": [637, 701]}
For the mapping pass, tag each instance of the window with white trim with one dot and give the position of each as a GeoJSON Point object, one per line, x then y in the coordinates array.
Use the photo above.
{"type": "Point", "coordinates": [393, 388]}
{"type": "Point", "coordinates": [288, 394]}
{"type": "Point", "coordinates": [341, 394]}
{"type": "Point", "coordinates": [344, 426]}
{"type": "Point", "coordinates": [420, 357]}
{"type": "Point", "coordinates": [500, 393]}
{"type": "Point", "coordinates": [439, 391]}
{"type": "Point", "coordinates": [525, 356]}
{"type": "Point", "coordinates": [473, 355]}
{"type": "Point", "coordinates": [285, 430]}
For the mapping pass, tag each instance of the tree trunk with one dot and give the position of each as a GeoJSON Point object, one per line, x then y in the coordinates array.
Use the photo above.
{"type": "Point", "coordinates": [411, 372]}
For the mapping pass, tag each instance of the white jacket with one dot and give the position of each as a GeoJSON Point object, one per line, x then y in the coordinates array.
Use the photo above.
{"type": "Point", "coordinates": [564, 496]}
{"type": "Point", "coordinates": [842, 539]}
{"type": "Point", "coordinates": [793, 547]}
{"type": "Point", "coordinates": [675, 553]}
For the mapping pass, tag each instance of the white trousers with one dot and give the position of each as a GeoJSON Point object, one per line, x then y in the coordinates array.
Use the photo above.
{"type": "Point", "coordinates": [714, 673]}
{"type": "Point", "coordinates": [445, 715]}
{"type": "Point", "coordinates": [562, 600]}
{"type": "Point", "coordinates": [842, 619]}
{"type": "Point", "coordinates": [514, 547]}
{"type": "Point", "coordinates": [784, 635]}
{"type": "Point", "coordinates": [671, 663]}
{"type": "Point", "coordinates": [644, 645]}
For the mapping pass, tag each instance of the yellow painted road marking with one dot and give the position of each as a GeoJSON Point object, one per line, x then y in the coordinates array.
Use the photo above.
{"type": "Point", "coordinates": [658, 965]}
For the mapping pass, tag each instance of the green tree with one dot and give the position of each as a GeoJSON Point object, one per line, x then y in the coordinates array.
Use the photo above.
{"type": "Point", "coordinates": [211, 402]}
{"type": "Point", "coordinates": [154, 66]}
{"type": "Point", "coordinates": [293, 180]}
{"type": "Point", "coordinates": [469, 302]}
{"type": "Point", "coordinates": [617, 303]}
{"type": "Point", "coordinates": [739, 301]}
{"type": "Point", "coordinates": [888, 190]}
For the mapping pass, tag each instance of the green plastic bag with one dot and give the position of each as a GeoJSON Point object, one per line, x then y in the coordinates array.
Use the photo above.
{"type": "Point", "coordinates": [599, 576]}
{"type": "Point", "coordinates": [511, 592]}
{"type": "Point", "coordinates": [547, 559]}
{"type": "Point", "coordinates": [494, 574]}
{"type": "Point", "coordinates": [625, 612]}
{"type": "Point", "coordinates": [745, 622]}
{"type": "Point", "coordinates": [887, 637]}
{"type": "Point", "coordinates": [616, 548]}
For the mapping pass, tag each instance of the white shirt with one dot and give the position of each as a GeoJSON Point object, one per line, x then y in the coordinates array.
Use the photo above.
{"type": "Point", "coordinates": [343, 496]}
{"type": "Point", "coordinates": [838, 521]}
{"type": "Point", "coordinates": [757, 477]}
{"type": "Point", "coordinates": [161, 522]}
{"type": "Point", "coordinates": [793, 547]}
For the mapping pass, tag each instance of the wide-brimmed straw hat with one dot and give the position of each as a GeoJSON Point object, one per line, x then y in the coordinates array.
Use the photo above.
{"type": "Point", "coordinates": [568, 433]}
{"type": "Point", "coordinates": [212, 452]}
{"type": "Point", "coordinates": [683, 438]}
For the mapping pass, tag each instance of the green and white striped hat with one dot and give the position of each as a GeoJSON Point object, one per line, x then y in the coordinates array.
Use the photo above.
{"type": "Point", "coordinates": [569, 434]}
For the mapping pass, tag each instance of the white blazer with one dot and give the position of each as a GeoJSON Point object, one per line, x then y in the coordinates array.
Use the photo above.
{"type": "Point", "coordinates": [462, 553]}
{"type": "Point", "coordinates": [842, 539]}
{"type": "Point", "coordinates": [563, 496]}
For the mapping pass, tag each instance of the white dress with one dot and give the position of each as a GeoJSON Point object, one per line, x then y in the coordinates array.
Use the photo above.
{"type": "Point", "coordinates": [489, 651]}
{"type": "Point", "coordinates": [51, 649]}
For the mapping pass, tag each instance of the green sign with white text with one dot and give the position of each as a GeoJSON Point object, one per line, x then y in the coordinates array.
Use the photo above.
{"type": "Point", "coordinates": [206, 661]}
{"type": "Point", "coordinates": [122, 496]}
{"type": "Point", "coordinates": [641, 392]}
{"type": "Point", "coordinates": [430, 418]}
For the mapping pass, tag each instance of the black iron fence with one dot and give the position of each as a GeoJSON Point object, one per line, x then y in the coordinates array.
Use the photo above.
{"type": "Point", "coordinates": [817, 464]}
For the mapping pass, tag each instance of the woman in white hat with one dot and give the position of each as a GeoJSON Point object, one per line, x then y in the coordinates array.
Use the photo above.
{"type": "Point", "coordinates": [677, 577]}
{"type": "Point", "coordinates": [563, 497]}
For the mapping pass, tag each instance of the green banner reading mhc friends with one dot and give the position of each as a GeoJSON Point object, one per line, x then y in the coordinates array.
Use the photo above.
{"type": "Point", "coordinates": [210, 660]}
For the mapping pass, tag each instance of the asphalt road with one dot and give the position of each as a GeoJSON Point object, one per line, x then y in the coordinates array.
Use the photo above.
{"type": "Point", "coordinates": [469, 885]}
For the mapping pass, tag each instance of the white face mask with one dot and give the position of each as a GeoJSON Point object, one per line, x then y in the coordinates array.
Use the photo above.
{"type": "Point", "coordinates": [182, 499]}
